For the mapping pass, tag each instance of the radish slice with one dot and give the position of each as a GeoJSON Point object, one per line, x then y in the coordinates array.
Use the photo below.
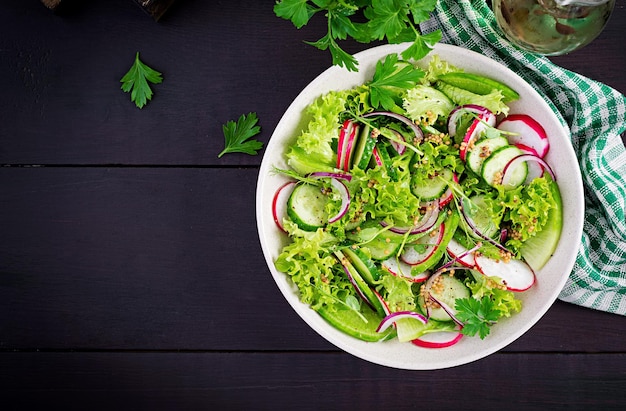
{"type": "Point", "coordinates": [473, 132]}
{"type": "Point", "coordinates": [507, 172]}
{"type": "Point", "coordinates": [413, 257]}
{"type": "Point", "coordinates": [461, 254]}
{"type": "Point", "coordinates": [448, 195]}
{"type": "Point", "coordinates": [516, 274]}
{"type": "Point", "coordinates": [407, 121]}
{"type": "Point", "coordinates": [453, 119]}
{"type": "Point", "coordinates": [527, 132]}
{"type": "Point", "coordinates": [279, 203]}
{"type": "Point", "coordinates": [398, 315]}
{"type": "Point", "coordinates": [401, 269]}
{"type": "Point", "coordinates": [324, 174]}
{"type": "Point", "coordinates": [345, 145]}
{"type": "Point", "coordinates": [345, 199]}
{"type": "Point", "coordinates": [535, 169]}
{"type": "Point", "coordinates": [439, 339]}
{"type": "Point", "coordinates": [377, 158]}
{"type": "Point", "coordinates": [346, 128]}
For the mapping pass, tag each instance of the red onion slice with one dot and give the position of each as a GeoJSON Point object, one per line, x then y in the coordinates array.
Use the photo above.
{"type": "Point", "coordinates": [515, 161]}
{"type": "Point", "coordinates": [345, 199]}
{"type": "Point", "coordinates": [356, 287]}
{"type": "Point", "coordinates": [324, 174]}
{"type": "Point", "coordinates": [475, 230]}
{"type": "Point", "coordinates": [405, 120]}
{"type": "Point", "coordinates": [453, 119]}
{"type": "Point", "coordinates": [449, 310]}
{"type": "Point", "coordinates": [427, 222]}
{"type": "Point", "coordinates": [398, 315]}
{"type": "Point", "coordinates": [399, 147]}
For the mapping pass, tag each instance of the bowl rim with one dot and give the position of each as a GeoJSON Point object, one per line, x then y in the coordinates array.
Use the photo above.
{"type": "Point", "coordinates": [571, 190]}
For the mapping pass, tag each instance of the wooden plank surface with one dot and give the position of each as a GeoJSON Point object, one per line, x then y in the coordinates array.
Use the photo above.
{"type": "Point", "coordinates": [131, 275]}
{"type": "Point", "coordinates": [307, 381]}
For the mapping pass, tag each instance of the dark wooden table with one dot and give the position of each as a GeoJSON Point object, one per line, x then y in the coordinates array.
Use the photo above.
{"type": "Point", "coordinates": [131, 275]}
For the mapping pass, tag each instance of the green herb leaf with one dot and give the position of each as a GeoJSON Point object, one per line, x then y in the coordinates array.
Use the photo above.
{"type": "Point", "coordinates": [390, 80]}
{"type": "Point", "coordinates": [136, 81]}
{"type": "Point", "coordinates": [237, 135]}
{"type": "Point", "coordinates": [477, 315]}
{"type": "Point", "coordinates": [394, 20]}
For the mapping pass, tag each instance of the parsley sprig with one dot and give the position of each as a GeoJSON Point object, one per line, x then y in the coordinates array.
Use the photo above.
{"type": "Point", "coordinates": [392, 78]}
{"type": "Point", "coordinates": [392, 20]}
{"type": "Point", "coordinates": [238, 135]}
{"type": "Point", "coordinates": [477, 315]}
{"type": "Point", "coordinates": [136, 81]}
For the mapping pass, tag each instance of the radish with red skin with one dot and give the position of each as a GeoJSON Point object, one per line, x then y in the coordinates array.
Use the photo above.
{"type": "Point", "coordinates": [460, 254]}
{"type": "Point", "coordinates": [439, 339]}
{"type": "Point", "coordinates": [401, 269]}
{"type": "Point", "coordinates": [527, 132]}
{"type": "Point", "coordinates": [279, 203]}
{"type": "Point", "coordinates": [453, 118]}
{"type": "Point", "coordinates": [516, 274]}
{"type": "Point", "coordinates": [343, 135]}
{"type": "Point", "coordinates": [377, 158]}
{"type": "Point", "coordinates": [413, 257]}
{"type": "Point", "coordinates": [474, 131]}
{"type": "Point", "coordinates": [449, 194]}
{"type": "Point", "coordinates": [350, 147]}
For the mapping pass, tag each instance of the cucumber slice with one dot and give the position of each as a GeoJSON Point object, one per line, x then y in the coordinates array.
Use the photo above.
{"type": "Point", "coordinates": [431, 188]}
{"type": "Point", "coordinates": [449, 226]}
{"type": "Point", "coordinates": [482, 150]}
{"type": "Point", "coordinates": [538, 249]}
{"type": "Point", "coordinates": [364, 148]}
{"type": "Point", "coordinates": [481, 216]}
{"type": "Point", "coordinates": [307, 207]}
{"type": "Point", "coordinates": [351, 323]}
{"type": "Point", "coordinates": [451, 290]}
{"type": "Point", "coordinates": [493, 167]}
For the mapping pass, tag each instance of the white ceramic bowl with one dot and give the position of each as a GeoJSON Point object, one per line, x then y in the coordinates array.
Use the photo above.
{"type": "Point", "coordinates": [550, 279]}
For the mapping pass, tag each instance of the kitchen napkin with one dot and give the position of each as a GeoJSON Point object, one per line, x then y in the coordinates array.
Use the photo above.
{"type": "Point", "coordinates": [595, 116]}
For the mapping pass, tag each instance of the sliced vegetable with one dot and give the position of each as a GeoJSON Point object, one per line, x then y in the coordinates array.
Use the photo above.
{"type": "Point", "coordinates": [527, 131]}
{"type": "Point", "coordinates": [439, 339]}
{"type": "Point", "coordinates": [510, 171]}
{"type": "Point", "coordinates": [432, 187]}
{"type": "Point", "coordinates": [474, 132]}
{"type": "Point", "coordinates": [537, 250]}
{"type": "Point", "coordinates": [479, 84]}
{"type": "Point", "coordinates": [341, 188]}
{"type": "Point", "coordinates": [307, 207]}
{"type": "Point", "coordinates": [423, 248]}
{"type": "Point", "coordinates": [516, 274]}
{"type": "Point", "coordinates": [481, 150]}
{"type": "Point", "coordinates": [493, 168]}
{"type": "Point", "coordinates": [365, 145]}
{"type": "Point", "coordinates": [399, 268]}
{"type": "Point", "coordinates": [460, 112]}
{"type": "Point", "coordinates": [279, 203]}
{"type": "Point", "coordinates": [362, 324]}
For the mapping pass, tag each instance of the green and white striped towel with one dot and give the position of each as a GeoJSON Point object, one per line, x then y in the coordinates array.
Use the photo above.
{"type": "Point", "coordinates": [595, 115]}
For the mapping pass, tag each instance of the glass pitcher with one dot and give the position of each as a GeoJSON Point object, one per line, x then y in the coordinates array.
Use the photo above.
{"type": "Point", "coordinates": [552, 27]}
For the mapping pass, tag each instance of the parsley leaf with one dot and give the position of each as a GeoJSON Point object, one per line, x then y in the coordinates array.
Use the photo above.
{"type": "Point", "coordinates": [136, 81]}
{"type": "Point", "coordinates": [477, 315]}
{"type": "Point", "coordinates": [237, 135]}
{"type": "Point", "coordinates": [391, 78]}
{"type": "Point", "coordinates": [395, 20]}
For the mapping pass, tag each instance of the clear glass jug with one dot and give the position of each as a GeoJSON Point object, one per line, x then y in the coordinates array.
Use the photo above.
{"type": "Point", "coordinates": [552, 27]}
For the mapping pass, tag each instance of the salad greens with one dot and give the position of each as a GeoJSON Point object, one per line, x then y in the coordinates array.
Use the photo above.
{"type": "Point", "coordinates": [410, 216]}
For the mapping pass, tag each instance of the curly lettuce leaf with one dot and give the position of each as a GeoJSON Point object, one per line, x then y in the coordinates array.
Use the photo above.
{"type": "Point", "coordinates": [313, 150]}
{"type": "Point", "coordinates": [426, 104]}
